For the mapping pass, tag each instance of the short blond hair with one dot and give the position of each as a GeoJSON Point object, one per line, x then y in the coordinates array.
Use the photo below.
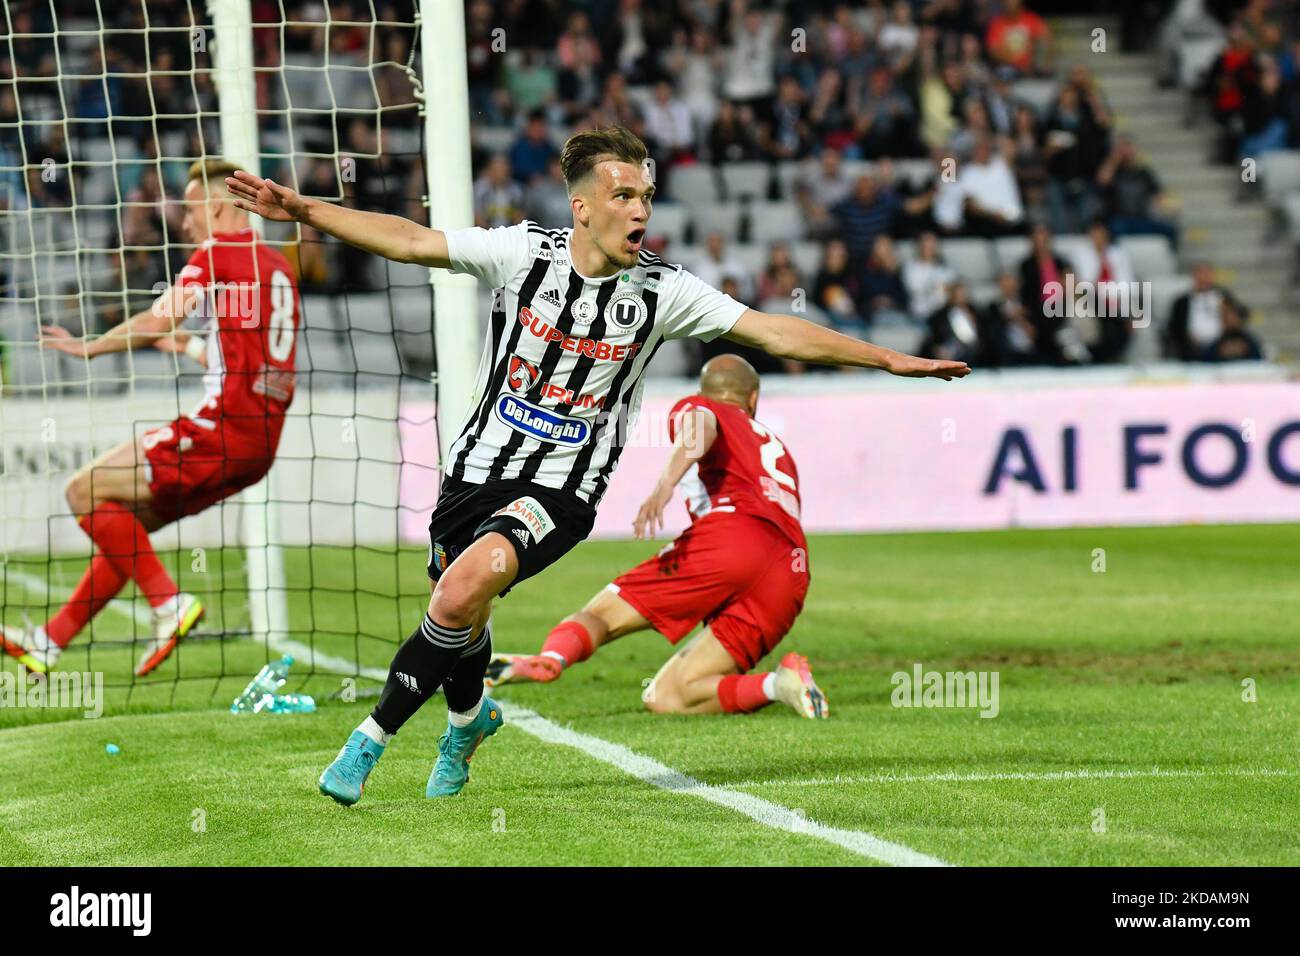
{"type": "Point", "coordinates": [212, 172]}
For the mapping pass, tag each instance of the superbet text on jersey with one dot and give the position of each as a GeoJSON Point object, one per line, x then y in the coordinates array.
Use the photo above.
{"type": "Point", "coordinates": [560, 383]}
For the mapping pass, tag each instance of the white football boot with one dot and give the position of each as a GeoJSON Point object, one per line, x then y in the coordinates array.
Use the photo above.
{"type": "Point", "coordinates": [31, 645]}
{"type": "Point", "coordinates": [170, 624]}
{"type": "Point", "coordinates": [796, 688]}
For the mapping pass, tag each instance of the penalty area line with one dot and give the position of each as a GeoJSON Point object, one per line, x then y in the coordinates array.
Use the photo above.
{"type": "Point", "coordinates": [651, 771]}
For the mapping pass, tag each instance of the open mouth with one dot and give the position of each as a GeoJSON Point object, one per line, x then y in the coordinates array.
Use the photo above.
{"type": "Point", "coordinates": [634, 239]}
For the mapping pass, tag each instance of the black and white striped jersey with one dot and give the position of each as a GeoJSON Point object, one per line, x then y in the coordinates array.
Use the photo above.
{"type": "Point", "coordinates": [559, 385]}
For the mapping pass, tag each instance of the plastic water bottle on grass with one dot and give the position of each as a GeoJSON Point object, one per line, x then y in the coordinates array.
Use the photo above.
{"type": "Point", "coordinates": [259, 695]}
{"type": "Point", "coordinates": [292, 704]}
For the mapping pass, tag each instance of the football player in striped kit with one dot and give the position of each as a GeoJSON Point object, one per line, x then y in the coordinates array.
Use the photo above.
{"type": "Point", "coordinates": [577, 315]}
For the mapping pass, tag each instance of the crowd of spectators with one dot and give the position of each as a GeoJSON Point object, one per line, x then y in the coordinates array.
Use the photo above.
{"type": "Point", "coordinates": [822, 85]}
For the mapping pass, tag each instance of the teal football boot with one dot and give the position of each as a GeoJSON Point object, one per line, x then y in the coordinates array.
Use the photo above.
{"type": "Point", "coordinates": [457, 745]}
{"type": "Point", "coordinates": [345, 778]}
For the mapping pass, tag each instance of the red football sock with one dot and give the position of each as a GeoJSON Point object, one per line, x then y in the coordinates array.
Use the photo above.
{"type": "Point", "coordinates": [97, 587]}
{"type": "Point", "coordinates": [742, 693]}
{"type": "Point", "coordinates": [571, 641]}
{"type": "Point", "coordinates": [124, 542]}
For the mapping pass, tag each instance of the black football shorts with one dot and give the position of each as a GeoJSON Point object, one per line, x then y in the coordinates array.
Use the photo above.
{"type": "Point", "coordinates": [542, 523]}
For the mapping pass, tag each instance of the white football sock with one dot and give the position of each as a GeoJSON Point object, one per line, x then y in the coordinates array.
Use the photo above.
{"type": "Point", "coordinates": [464, 718]}
{"type": "Point", "coordinates": [169, 606]}
{"type": "Point", "coordinates": [375, 732]}
{"type": "Point", "coordinates": [769, 686]}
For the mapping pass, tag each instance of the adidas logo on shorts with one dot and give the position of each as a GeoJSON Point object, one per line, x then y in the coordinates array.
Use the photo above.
{"type": "Point", "coordinates": [550, 296]}
{"type": "Point", "coordinates": [521, 534]}
{"type": "Point", "coordinates": [408, 682]}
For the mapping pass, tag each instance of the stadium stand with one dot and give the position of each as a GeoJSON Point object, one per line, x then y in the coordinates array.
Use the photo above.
{"type": "Point", "coordinates": [763, 139]}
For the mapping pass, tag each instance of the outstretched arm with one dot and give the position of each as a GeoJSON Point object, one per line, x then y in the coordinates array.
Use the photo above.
{"type": "Point", "coordinates": [392, 237]}
{"type": "Point", "coordinates": [790, 337]}
{"type": "Point", "coordinates": [697, 429]}
{"type": "Point", "coordinates": [143, 328]}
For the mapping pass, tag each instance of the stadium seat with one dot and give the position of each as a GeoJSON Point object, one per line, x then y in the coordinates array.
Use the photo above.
{"type": "Point", "coordinates": [674, 358]}
{"type": "Point", "coordinates": [304, 86]}
{"type": "Point", "coordinates": [1068, 247]}
{"type": "Point", "coordinates": [1291, 213]}
{"type": "Point", "coordinates": [1279, 172]}
{"type": "Point", "coordinates": [971, 258]}
{"type": "Point", "coordinates": [408, 275]}
{"type": "Point", "coordinates": [1151, 256]}
{"type": "Point", "coordinates": [746, 180]}
{"type": "Point", "coordinates": [807, 256]}
{"type": "Point", "coordinates": [686, 255]}
{"type": "Point", "coordinates": [670, 220]}
{"type": "Point", "coordinates": [775, 221]}
{"type": "Point", "coordinates": [983, 293]}
{"type": "Point", "coordinates": [494, 139]}
{"type": "Point", "coordinates": [692, 185]}
{"type": "Point", "coordinates": [1040, 94]}
{"type": "Point", "coordinates": [900, 338]}
{"type": "Point", "coordinates": [751, 255]}
{"type": "Point", "coordinates": [1195, 57]}
{"type": "Point", "coordinates": [1011, 251]}
{"type": "Point", "coordinates": [916, 172]}
{"type": "Point", "coordinates": [717, 217]}
{"type": "Point", "coordinates": [789, 173]}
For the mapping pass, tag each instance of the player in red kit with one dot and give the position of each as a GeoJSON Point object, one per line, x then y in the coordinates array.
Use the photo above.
{"type": "Point", "coordinates": [247, 291]}
{"type": "Point", "coordinates": [741, 568]}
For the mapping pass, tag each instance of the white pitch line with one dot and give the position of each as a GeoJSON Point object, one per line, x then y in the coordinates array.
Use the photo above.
{"type": "Point", "coordinates": [952, 777]}
{"type": "Point", "coordinates": [651, 771]}
{"type": "Point", "coordinates": [127, 609]}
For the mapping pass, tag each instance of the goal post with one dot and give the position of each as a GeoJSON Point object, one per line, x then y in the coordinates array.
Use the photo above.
{"type": "Point", "coordinates": [451, 206]}
{"type": "Point", "coordinates": [233, 78]}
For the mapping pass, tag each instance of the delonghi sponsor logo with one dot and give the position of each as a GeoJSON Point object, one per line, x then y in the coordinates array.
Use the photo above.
{"type": "Point", "coordinates": [541, 424]}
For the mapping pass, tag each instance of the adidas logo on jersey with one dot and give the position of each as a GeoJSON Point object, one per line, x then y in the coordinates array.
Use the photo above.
{"type": "Point", "coordinates": [522, 535]}
{"type": "Point", "coordinates": [408, 682]}
{"type": "Point", "coordinates": [550, 296]}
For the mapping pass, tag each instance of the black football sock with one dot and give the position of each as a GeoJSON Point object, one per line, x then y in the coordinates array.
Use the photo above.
{"type": "Point", "coordinates": [419, 666]}
{"type": "Point", "coordinates": [463, 687]}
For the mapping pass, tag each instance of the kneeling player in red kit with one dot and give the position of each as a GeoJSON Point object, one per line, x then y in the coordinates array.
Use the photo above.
{"type": "Point", "coordinates": [741, 568]}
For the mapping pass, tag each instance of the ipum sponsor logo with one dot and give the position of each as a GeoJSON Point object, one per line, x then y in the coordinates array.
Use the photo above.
{"type": "Point", "coordinates": [541, 424]}
{"type": "Point", "coordinates": [78, 909]}
{"type": "Point", "coordinates": [69, 690]}
{"type": "Point", "coordinates": [960, 689]}
{"type": "Point", "coordinates": [1103, 300]}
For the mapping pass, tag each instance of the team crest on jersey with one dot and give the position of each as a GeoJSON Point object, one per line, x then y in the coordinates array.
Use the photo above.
{"type": "Point", "coordinates": [626, 310]}
{"type": "Point", "coordinates": [541, 423]}
{"type": "Point", "coordinates": [521, 375]}
{"type": "Point", "coordinates": [584, 310]}
{"type": "Point", "coordinates": [438, 557]}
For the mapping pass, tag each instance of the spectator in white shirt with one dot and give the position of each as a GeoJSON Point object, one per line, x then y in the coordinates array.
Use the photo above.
{"type": "Point", "coordinates": [718, 264]}
{"type": "Point", "coordinates": [668, 121]}
{"type": "Point", "coordinates": [991, 203]}
{"type": "Point", "coordinates": [926, 277]}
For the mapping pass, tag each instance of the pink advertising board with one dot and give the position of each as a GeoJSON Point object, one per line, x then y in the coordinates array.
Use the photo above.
{"type": "Point", "coordinates": [965, 459]}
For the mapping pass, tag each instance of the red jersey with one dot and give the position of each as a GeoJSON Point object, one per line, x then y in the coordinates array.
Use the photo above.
{"type": "Point", "coordinates": [251, 302]}
{"type": "Point", "coordinates": [746, 470]}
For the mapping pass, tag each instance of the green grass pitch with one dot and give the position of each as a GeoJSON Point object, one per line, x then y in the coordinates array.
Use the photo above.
{"type": "Point", "coordinates": [1122, 738]}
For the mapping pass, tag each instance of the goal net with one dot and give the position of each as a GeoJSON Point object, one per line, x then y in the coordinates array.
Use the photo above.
{"type": "Point", "coordinates": [103, 107]}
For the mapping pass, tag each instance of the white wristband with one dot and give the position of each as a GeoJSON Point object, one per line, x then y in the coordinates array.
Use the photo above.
{"type": "Point", "coordinates": [197, 348]}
